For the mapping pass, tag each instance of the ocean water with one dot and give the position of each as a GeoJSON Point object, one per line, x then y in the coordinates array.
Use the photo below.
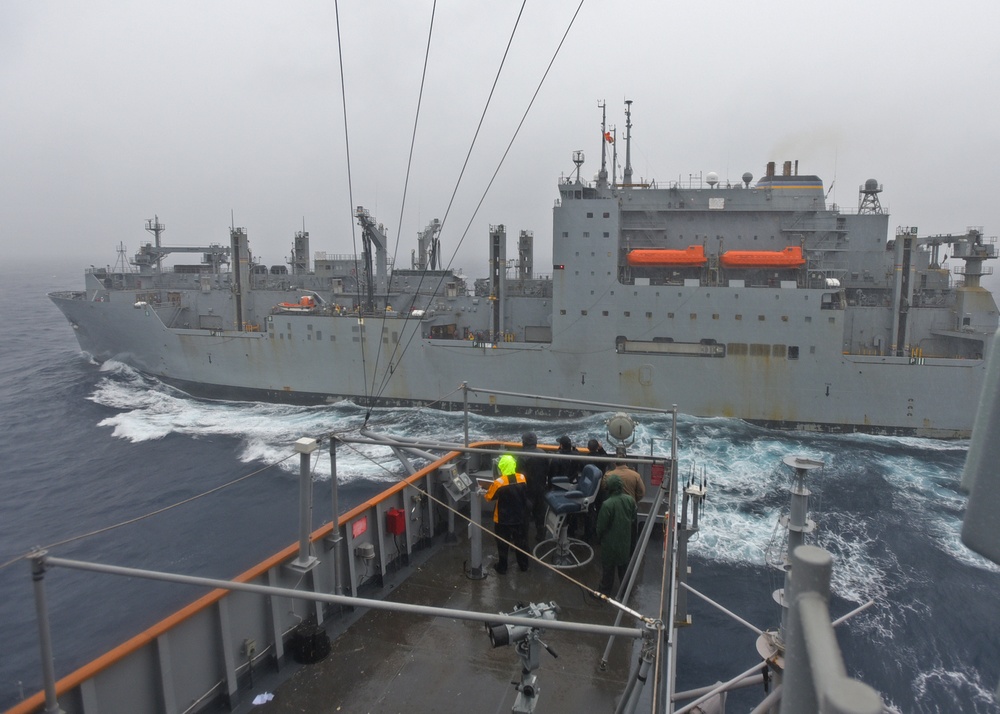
{"type": "Point", "coordinates": [87, 447]}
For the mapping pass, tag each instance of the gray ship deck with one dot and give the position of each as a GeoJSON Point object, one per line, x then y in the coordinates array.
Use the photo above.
{"type": "Point", "coordinates": [394, 662]}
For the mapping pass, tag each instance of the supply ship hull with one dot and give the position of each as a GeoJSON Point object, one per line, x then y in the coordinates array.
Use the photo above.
{"type": "Point", "coordinates": [801, 315]}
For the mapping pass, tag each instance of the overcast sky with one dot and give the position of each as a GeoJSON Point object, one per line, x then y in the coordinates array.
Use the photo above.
{"type": "Point", "coordinates": [111, 112]}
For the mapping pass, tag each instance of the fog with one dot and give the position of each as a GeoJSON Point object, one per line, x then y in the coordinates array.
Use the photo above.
{"type": "Point", "coordinates": [213, 114]}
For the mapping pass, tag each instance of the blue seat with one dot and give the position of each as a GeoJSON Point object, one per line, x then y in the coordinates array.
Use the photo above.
{"type": "Point", "coordinates": [582, 495]}
{"type": "Point", "coordinates": [559, 550]}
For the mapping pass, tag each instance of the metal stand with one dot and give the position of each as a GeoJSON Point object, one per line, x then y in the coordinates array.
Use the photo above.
{"type": "Point", "coordinates": [640, 673]}
{"type": "Point", "coordinates": [561, 551]}
{"type": "Point", "coordinates": [305, 562]}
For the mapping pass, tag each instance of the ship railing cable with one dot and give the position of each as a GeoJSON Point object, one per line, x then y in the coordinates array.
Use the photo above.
{"type": "Point", "coordinates": [595, 593]}
{"type": "Point", "coordinates": [156, 512]}
{"type": "Point", "coordinates": [350, 180]}
{"type": "Point", "coordinates": [423, 274]}
{"type": "Point", "coordinates": [402, 205]}
{"type": "Point", "coordinates": [389, 370]}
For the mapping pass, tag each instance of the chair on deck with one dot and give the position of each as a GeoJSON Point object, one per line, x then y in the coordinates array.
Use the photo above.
{"type": "Point", "coordinates": [567, 499]}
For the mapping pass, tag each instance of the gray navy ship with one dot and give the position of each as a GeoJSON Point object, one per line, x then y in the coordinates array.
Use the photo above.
{"type": "Point", "coordinates": [756, 300]}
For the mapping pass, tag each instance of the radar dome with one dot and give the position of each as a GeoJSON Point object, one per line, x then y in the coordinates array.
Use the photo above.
{"type": "Point", "coordinates": [871, 185]}
{"type": "Point", "coordinates": [747, 178]}
{"type": "Point", "coordinates": [712, 178]}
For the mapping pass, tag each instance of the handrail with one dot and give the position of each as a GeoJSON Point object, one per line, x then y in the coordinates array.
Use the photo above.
{"type": "Point", "coordinates": [108, 659]}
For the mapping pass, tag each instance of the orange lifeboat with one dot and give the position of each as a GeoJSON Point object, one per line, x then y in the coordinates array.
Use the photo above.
{"type": "Point", "coordinates": [306, 303]}
{"type": "Point", "coordinates": [790, 257]}
{"type": "Point", "coordinates": [692, 256]}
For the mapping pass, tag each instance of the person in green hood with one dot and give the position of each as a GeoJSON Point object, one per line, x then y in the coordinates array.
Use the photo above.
{"type": "Point", "coordinates": [614, 533]}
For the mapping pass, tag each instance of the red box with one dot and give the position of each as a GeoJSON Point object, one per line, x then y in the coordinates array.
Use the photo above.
{"type": "Point", "coordinates": [656, 472]}
{"type": "Point", "coordinates": [395, 521]}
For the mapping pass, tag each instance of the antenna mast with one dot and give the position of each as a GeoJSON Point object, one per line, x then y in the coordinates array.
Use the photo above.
{"type": "Point", "coordinates": [154, 226]}
{"type": "Point", "coordinates": [628, 143]}
{"type": "Point", "coordinates": [602, 177]}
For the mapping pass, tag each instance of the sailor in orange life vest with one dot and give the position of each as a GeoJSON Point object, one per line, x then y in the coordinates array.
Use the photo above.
{"type": "Point", "coordinates": [510, 519]}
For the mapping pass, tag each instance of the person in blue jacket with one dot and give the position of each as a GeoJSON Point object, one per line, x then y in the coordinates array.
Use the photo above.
{"type": "Point", "coordinates": [510, 518]}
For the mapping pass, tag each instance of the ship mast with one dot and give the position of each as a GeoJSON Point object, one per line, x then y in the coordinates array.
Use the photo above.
{"type": "Point", "coordinates": [602, 177]}
{"type": "Point", "coordinates": [154, 226]}
{"type": "Point", "coordinates": [627, 179]}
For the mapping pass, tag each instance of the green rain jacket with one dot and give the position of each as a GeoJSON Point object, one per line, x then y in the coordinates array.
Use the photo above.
{"type": "Point", "coordinates": [614, 524]}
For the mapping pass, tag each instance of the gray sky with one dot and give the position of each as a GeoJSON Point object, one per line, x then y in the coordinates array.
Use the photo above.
{"type": "Point", "coordinates": [113, 111]}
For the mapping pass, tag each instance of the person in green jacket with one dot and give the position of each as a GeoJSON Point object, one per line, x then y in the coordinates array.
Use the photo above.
{"type": "Point", "coordinates": [614, 533]}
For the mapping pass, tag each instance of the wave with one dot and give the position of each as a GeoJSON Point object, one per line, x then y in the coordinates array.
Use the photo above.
{"type": "Point", "coordinates": [915, 479]}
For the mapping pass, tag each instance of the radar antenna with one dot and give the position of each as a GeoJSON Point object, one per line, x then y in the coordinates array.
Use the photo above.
{"type": "Point", "coordinates": [868, 197]}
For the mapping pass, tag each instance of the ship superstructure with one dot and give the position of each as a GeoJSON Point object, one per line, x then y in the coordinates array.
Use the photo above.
{"type": "Point", "coordinates": [755, 300]}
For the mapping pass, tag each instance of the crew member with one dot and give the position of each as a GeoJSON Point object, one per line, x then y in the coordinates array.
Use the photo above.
{"type": "Point", "coordinates": [632, 485]}
{"type": "Point", "coordinates": [510, 491]}
{"type": "Point", "coordinates": [535, 468]}
{"type": "Point", "coordinates": [614, 527]}
{"type": "Point", "coordinates": [568, 469]}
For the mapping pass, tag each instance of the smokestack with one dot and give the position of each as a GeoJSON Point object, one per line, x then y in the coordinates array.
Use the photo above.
{"type": "Point", "coordinates": [770, 168]}
{"type": "Point", "coordinates": [786, 170]}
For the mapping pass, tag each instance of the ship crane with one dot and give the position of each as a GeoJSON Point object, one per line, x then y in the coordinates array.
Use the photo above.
{"type": "Point", "coordinates": [151, 255]}
{"type": "Point", "coordinates": [428, 247]}
{"type": "Point", "coordinates": [971, 247]}
{"type": "Point", "coordinates": [373, 235]}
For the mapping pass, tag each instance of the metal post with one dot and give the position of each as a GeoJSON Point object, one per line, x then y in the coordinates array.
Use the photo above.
{"type": "Point", "coordinates": [815, 677]}
{"type": "Point", "coordinates": [335, 538]}
{"type": "Point", "coordinates": [465, 410]}
{"type": "Point", "coordinates": [304, 447]}
{"type": "Point", "coordinates": [799, 525]}
{"type": "Point", "coordinates": [451, 536]}
{"type": "Point", "coordinates": [476, 533]}
{"type": "Point", "coordinates": [640, 673]}
{"type": "Point", "coordinates": [44, 634]}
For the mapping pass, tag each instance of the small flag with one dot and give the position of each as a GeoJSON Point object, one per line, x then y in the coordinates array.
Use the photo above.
{"type": "Point", "coordinates": [608, 138]}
